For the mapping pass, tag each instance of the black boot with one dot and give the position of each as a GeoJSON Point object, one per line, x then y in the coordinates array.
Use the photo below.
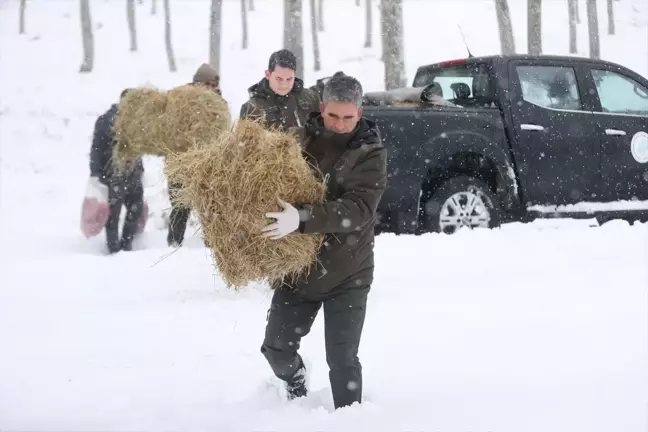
{"type": "Point", "coordinates": [296, 386]}
{"type": "Point", "coordinates": [112, 239]}
{"type": "Point", "coordinates": [127, 245]}
{"type": "Point", "coordinates": [346, 386]}
{"type": "Point", "coordinates": [114, 248]}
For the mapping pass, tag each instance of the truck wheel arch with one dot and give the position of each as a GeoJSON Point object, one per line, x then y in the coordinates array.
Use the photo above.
{"type": "Point", "coordinates": [446, 151]}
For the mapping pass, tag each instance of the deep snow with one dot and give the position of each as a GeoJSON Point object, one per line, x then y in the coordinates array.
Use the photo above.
{"type": "Point", "coordinates": [528, 328]}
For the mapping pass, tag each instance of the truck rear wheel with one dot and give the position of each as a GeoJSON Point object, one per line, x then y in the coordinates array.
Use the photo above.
{"type": "Point", "coordinates": [461, 202]}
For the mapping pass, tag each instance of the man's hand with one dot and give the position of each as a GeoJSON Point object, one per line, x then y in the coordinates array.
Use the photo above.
{"type": "Point", "coordinates": [287, 222]}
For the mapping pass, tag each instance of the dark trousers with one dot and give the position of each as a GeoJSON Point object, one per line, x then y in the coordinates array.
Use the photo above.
{"type": "Point", "coordinates": [178, 219]}
{"type": "Point", "coordinates": [290, 318]}
{"type": "Point", "coordinates": [131, 195]}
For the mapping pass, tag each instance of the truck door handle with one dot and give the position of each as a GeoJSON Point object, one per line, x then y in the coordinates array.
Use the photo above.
{"type": "Point", "coordinates": [532, 127]}
{"type": "Point", "coordinates": [614, 132]}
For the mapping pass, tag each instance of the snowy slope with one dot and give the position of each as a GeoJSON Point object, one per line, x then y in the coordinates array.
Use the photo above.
{"type": "Point", "coordinates": [461, 335]}
{"type": "Point", "coordinates": [528, 328]}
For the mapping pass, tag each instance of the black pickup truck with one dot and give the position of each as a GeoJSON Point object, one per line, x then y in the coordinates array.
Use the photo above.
{"type": "Point", "coordinates": [479, 141]}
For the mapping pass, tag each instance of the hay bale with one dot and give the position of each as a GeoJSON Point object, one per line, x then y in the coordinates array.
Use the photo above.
{"type": "Point", "coordinates": [194, 115]}
{"type": "Point", "coordinates": [154, 122]}
{"type": "Point", "coordinates": [231, 184]}
{"type": "Point", "coordinates": [137, 125]}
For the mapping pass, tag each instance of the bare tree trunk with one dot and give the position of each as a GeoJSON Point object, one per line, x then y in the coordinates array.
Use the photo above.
{"type": "Point", "coordinates": [577, 9]}
{"type": "Point", "coordinates": [592, 24]}
{"type": "Point", "coordinates": [252, 5]}
{"type": "Point", "coordinates": [132, 28]}
{"type": "Point", "coordinates": [368, 25]}
{"type": "Point", "coordinates": [320, 16]}
{"type": "Point", "coordinates": [507, 41]}
{"type": "Point", "coordinates": [87, 37]}
{"type": "Point", "coordinates": [153, 7]}
{"type": "Point", "coordinates": [384, 43]}
{"type": "Point", "coordinates": [21, 18]}
{"type": "Point", "coordinates": [534, 26]}
{"type": "Point", "coordinates": [167, 37]}
{"type": "Point", "coordinates": [316, 50]}
{"type": "Point", "coordinates": [293, 35]}
{"type": "Point", "coordinates": [573, 20]}
{"type": "Point", "coordinates": [286, 21]}
{"type": "Point", "coordinates": [393, 51]}
{"type": "Point", "coordinates": [244, 18]}
{"type": "Point", "coordinates": [610, 13]}
{"type": "Point", "coordinates": [215, 26]}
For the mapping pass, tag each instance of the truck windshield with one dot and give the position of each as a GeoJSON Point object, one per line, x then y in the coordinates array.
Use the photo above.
{"type": "Point", "coordinates": [467, 85]}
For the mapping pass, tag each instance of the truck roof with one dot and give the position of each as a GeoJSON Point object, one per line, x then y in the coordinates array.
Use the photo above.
{"type": "Point", "coordinates": [489, 59]}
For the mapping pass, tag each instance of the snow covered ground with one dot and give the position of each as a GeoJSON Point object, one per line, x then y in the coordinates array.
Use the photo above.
{"type": "Point", "coordinates": [530, 328]}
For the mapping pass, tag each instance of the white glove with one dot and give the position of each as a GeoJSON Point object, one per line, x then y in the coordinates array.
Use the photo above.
{"type": "Point", "coordinates": [287, 221]}
{"type": "Point", "coordinates": [97, 190]}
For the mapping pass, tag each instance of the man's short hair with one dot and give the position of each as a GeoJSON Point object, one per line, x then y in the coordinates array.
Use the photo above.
{"type": "Point", "coordinates": [342, 88]}
{"type": "Point", "coordinates": [284, 58]}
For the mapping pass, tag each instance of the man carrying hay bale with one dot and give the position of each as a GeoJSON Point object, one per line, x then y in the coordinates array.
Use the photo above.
{"type": "Point", "coordinates": [124, 186]}
{"type": "Point", "coordinates": [208, 77]}
{"type": "Point", "coordinates": [347, 150]}
{"type": "Point", "coordinates": [280, 100]}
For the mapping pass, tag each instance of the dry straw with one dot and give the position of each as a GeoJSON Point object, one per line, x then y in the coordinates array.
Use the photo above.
{"type": "Point", "coordinates": [231, 183]}
{"type": "Point", "coordinates": [155, 122]}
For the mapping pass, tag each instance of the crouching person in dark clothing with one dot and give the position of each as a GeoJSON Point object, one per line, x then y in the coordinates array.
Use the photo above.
{"type": "Point", "coordinates": [124, 187]}
{"type": "Point", "coordinates": [348, 153]}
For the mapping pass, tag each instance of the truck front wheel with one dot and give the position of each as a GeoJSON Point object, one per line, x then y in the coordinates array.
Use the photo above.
{"type": "Point", "coordinates": [461, 202]}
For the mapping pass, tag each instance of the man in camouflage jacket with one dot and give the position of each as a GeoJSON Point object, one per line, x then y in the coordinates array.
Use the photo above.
{"type": "Point", "coordinates": [347, 151]}
{"type": "Point", "coordinates": [280, 99]}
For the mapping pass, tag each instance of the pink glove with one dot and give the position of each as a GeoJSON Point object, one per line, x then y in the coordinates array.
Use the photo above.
{"type": "Point", "coordinates": [95, 209]}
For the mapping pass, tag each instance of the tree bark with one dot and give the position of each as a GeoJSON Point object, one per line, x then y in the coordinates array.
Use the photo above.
{"type": "Point", "coordinates": [368, 24]}
{"type": "Point", "coordinates": [393, 51]}
{"type": "Point", "coordinates": [132, 27]}
{"type": "Point", "coordinates": [384, 42]}
{"type": "Point", "coordinates": [244, 19]}
{"type": "Point", "coordinates": [21, 17]}
{"type": "Point", "coordinates": [293, 35]}
{"type": "Point", "coordinates": [610, 14]}
{"type": "Point", "coordinates": [507, 41]}
{"type": "Point", "coordinates": [320, 16]}
{"type": "Point", "coordinates": [153, 7]}
{"type": "Point", "coordinates": [592, 24]}
{"type": "Point", "coordinates": [167, 37]}
{"type": "Point", "coordinates": [534, 26]}
{"type": "Point", "coordinates": [573, 20]}
{"type": "Point", "coordinates": [316, 51]}
{"type": "Point", "coordinates": [577, 9]}
{"type": "Point", "coordinates": [87, 37]}
{"type": "Point", "coordinates": [215, 27]}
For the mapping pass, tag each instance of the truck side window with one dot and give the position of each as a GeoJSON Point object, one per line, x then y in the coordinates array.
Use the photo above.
{"type": "Point", "coordinates": [620, 94]}
{"type": "Point", "coordinates": [467, 85]}
{"type": "Point", "coordinates": [550, 86]}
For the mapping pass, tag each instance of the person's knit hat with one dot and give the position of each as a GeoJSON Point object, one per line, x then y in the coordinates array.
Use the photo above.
{"type": "Point", "coordinates": [206, 74]}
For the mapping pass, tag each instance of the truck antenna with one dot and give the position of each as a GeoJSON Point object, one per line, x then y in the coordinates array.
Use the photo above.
{"type": "Point", "coordinates": [464, 41]}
